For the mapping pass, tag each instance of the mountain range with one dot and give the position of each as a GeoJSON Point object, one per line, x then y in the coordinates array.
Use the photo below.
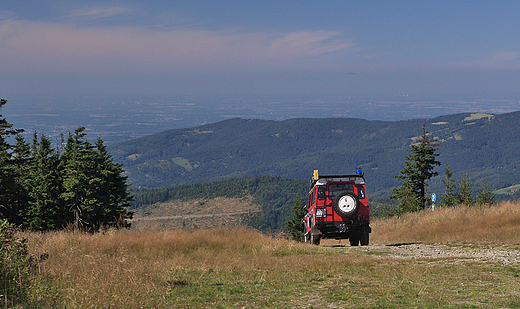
{"type": "Point", "coordinates": [477, 146]}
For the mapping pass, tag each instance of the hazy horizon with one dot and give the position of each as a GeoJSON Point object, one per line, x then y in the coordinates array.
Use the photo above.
{"type": "Point", "coordinates": [443, 49]}
{"type": "Point", "coordinates": [135, 63]}
{"type": "Point", "coordinates": [119, 118]}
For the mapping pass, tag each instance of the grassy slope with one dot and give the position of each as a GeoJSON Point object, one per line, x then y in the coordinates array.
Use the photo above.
{"type": "Point", "coordinates": [479, 224]}
{"type": "Point", "coordinates": [236, 267]}
{"type": "Point", "coordinates": [508, 190]}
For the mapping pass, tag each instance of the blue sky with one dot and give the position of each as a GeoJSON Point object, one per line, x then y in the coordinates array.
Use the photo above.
{"type": "Point", "coordinates": [423, 49]}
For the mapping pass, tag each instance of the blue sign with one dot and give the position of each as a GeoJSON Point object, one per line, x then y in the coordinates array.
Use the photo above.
{"type": "Point", "coordinates": [434, 198]}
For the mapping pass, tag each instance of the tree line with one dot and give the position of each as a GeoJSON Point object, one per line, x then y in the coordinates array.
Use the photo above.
{"type": "Point", "coordinates": [419, 168]}
{"type": "Point", "coordinates": [75, 184]}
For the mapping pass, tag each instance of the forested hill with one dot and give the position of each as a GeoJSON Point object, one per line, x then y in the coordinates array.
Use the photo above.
{"type": "Point", "coordinates": [475, 145]}
{"type": "Point", "coordinates": [274, 194]}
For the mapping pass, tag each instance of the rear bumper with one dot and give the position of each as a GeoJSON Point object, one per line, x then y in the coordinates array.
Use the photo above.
{"type": "Point", "coordinates": [342, 229]}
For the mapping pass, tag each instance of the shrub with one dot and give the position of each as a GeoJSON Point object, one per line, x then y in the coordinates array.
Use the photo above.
{"type": "Point", "coordinates": [295, 224]}
{"type": "Point", "coordinates": [14, 265]}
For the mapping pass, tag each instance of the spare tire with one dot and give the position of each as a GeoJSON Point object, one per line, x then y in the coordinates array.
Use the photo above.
{"type": "Point", "coordinates": [346, 203]}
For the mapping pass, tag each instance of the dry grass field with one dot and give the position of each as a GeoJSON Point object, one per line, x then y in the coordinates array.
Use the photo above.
{"type": "Point", "coordinates": [479, 224]}
{"type": "Point", "coordinates": [241, 268]}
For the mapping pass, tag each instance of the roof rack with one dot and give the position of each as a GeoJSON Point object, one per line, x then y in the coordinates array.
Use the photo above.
{"type": "Point", "coordinates": [316, 176]}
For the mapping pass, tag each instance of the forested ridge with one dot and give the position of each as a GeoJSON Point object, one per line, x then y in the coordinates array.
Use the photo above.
{"type": "Point", "coordinates": [472, 145]}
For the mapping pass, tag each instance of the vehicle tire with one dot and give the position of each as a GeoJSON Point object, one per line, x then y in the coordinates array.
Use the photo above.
{"type": "Point", "coordinates": [314, 239]}
{"type": "Point", "coordinates": [346, 204]}
{"type": "Point", "coordinates": [354, 240]}
{"type": "Point", "coordinates": [364, 239]}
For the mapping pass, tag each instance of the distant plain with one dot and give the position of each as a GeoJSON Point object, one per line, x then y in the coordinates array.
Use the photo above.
{"type": "Point", "coordinates": [120, 118]}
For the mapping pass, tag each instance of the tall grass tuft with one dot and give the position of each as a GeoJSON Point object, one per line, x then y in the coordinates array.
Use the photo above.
{"type": "Point", "coordinates": [479, 224]}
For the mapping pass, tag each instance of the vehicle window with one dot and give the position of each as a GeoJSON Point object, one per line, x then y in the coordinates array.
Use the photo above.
{"type": "Point", "coordinates": [321, 193]}
{"type": "Point", "coordinates": [313, 197]}
{"type": "Point", "coordinates": [335, 188]}
{"type": "Point", "coordinates": [361, 192]}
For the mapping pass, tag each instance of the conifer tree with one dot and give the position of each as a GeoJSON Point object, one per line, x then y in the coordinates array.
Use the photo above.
{"type": "Point", "coordinates": [77, 166]}
{"type": "Point", "coordinates": [485, 194]}
{"type": "Point", "coordinates": [21, 160]}
{"type": "Point", "coordinates": [294, 225]}
{"type": "Point", "coordinates": [112, 189]}
{"type": "Point", "coordinates": [408, 198]}
{"type": "Point", "coordinates": [45, 209]}
{"type": "Point", "coordinates": [9, 205]}
{"type": "Point", "coordinates": [419, 166]}
{"type": "Point", "coordinates": [465, 194]}
{"type": "Point", "coordinates": [449, 197]}
{"type": "Point", "coordinates": [94, 189]}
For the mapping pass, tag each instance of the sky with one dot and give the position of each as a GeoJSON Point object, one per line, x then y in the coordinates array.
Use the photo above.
{"type": "Point", "coordinates": [422, 49]}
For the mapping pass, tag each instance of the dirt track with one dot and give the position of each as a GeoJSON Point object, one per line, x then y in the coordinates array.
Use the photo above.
{"type": "Point", "coordinates": [506, 256]}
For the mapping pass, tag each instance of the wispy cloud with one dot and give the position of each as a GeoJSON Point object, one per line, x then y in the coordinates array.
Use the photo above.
{"type": "Point", "coordinates": [96, 13]}
{"type": "Point", "coordinates": [60, 47]}
{"type": "Point", "coordinates": [505, 56]}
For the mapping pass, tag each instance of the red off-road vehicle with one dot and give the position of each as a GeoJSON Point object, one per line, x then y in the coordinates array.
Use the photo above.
{"type": "Point", "coordinates": [338, 209]}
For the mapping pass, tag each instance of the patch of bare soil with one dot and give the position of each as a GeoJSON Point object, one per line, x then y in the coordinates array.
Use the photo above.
{"type": "Point", "coordinates": [201, 213]}
{"type": "Point", "coordinates": [216, 205]}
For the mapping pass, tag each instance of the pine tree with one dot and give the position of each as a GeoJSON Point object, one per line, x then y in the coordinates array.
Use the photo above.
{"type": "Point", "coordinates": [294, 225]}
{"type": "Point", "coordinates": [465, 195]}
{"type": "Point", "coordinates": [113, 197]}
{"type": "Point", "coordinates": [408, 197]}
{"type": "Point", "coordinates": [46, 209]}
{"type": "Point", "coordinates": [94, 189]}
{"type": "Point", "coordinates": [448, 198]}
{"type": "Point", "coordinates": [9, 206]}
{"type": "Point", "coordinates": [419, 166]}
{"type": "Point", "coordinates": [485, 194]}
{"type": "Point", "coordinates": [22, 160]}
{"type": "Point", "coordinates": [77, 165]}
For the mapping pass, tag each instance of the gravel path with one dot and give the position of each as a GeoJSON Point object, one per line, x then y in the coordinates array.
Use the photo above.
{"type": "Point", "coordinates": [506, 256]}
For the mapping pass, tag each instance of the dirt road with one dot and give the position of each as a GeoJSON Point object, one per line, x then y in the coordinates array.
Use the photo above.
{"type": "Point", "coordinates": [502, 254]}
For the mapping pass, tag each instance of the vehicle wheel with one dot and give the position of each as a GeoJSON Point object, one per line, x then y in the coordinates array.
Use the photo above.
{"type": "Point", "coordinates": [354, 240]}
{"type": "Point", "coordinates": [364, 239]}
{"type": "Point", "coordinates": [314, 239]}
{"type": "Point", "coordinates": [346, 204]}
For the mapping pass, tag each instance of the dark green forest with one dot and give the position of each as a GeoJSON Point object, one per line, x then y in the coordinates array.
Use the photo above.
{"type": "Point", "coordinates": [473, 145]}
{"type": "Point", "coordinates": [73, 185]}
